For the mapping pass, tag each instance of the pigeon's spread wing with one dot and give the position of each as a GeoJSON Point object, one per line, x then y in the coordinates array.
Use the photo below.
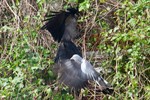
{"type": "Point", "coordinates": [92, 74]}
{"type": "Point", "coordinates": [70, 74]}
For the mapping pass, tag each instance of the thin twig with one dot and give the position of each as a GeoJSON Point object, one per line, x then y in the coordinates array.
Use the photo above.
{"type": "Point", "coordinates": [16, 16]}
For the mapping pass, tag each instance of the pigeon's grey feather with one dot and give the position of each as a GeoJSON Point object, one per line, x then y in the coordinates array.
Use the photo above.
{"type": "Point", "coordinates": [73, 75]}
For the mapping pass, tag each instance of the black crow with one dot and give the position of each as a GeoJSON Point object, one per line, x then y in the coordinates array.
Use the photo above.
{"type": "Point", "coordinates": [75, 71]}
{"type": "Point", "coordinates": [62, 25]}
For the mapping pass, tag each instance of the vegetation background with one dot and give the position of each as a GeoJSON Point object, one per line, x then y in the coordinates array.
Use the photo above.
{"type": "Point", "coordinates": [117, 41]}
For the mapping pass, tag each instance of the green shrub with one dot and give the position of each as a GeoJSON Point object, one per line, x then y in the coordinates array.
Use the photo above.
{"type": "Point", "coordinates": [27, 53]}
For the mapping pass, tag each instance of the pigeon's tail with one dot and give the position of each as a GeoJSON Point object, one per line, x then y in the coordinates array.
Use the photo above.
{"type": "Point", "coordinates": [104, 86]}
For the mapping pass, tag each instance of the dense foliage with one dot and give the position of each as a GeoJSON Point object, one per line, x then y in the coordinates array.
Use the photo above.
{"type": "Point", "coordinates": [118, 30]}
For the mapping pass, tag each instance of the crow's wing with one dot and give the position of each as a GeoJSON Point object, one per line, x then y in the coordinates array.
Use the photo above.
{"type": "Point", "coordinates": [71, 31]}
{"type": "Point", "coordinates": [62, 25]}
{"type": "Point", "coordinates": [56, 25]}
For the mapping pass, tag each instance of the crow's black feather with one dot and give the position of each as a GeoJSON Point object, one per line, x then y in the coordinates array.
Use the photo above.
{"type": "Point", "coordinates": [58, 25]}
{"type": "Point", "coordinates": [66, 50]}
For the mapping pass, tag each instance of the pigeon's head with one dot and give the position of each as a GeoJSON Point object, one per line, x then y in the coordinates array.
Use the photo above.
{"type": "Point", "coordinates": [77, 58]}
